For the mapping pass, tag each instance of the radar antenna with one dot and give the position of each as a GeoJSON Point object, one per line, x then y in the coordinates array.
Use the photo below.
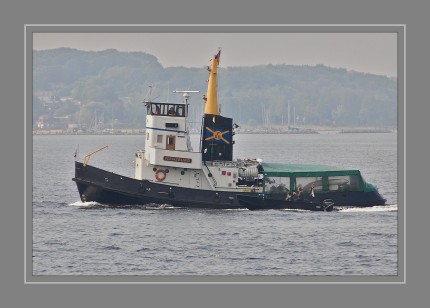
{"type": "Point", "coordinates": [186, 94]}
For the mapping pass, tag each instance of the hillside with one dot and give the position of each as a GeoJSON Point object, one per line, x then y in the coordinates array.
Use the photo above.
{"type": "Point", "coordinates": [79, 84]}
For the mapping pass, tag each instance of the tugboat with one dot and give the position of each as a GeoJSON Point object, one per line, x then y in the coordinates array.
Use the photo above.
{"type": "Point", "coordinates": [168, 170]}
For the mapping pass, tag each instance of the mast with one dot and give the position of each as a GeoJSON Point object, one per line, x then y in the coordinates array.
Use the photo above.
{"type": "Point", "coordinates": [216, 141]}
{"type": "Point", "coordinates": [212, 97]}
{"type": "Point", "coordinates": [186, 96]}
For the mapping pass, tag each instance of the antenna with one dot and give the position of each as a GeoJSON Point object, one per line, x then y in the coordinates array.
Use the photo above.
{"type": "Point", "coordinates": [186, 94]}
{"type": "Point", "coordinates": [148, 97]}
{"type": "Point", "coordinates": [168, 91]}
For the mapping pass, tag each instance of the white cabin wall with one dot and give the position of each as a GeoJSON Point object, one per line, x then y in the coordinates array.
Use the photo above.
{"type": "Point", "coordinates": [139, 163]}
{"type": "Point", "coordinates": [191, 178]}
{"type": "Point", "coordinates": [156, 126]}
{"type": "Point", "coordinates": [225, 176]}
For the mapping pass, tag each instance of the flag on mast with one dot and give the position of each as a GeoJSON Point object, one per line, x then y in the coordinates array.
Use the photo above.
{"type": "Point", "coordinates": [218, 56]}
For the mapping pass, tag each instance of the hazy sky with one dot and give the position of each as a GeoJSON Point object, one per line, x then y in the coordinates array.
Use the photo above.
{"type": "Point", "coordinates": [374, 53]}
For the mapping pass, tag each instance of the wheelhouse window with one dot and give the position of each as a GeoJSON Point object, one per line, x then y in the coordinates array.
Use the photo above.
{"type": "Point", "coordinates": [164, 109]}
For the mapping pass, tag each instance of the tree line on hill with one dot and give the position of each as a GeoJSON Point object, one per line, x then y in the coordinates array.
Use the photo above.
{"type": "Point", "coordinates": [114, 83]}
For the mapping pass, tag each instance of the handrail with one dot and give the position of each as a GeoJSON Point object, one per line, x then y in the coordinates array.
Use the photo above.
{"type": "Point", "coordinates": [88, 156]}
{"type": "Point", "coordinates": [210, 175]}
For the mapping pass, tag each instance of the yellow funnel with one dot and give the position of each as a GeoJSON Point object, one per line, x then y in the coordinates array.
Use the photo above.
{"type": "Point", "coordinates": [212, 97]}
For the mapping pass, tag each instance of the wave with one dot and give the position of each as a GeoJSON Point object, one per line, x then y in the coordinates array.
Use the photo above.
{"type": "Point", "coordinates": [382, 208]}
{"type": "Point", "coordinates": [84, 204]}
{"type": "Point", "coordinates": [150, 206]}
{"type": "Point", "coordinates": [377, 208]}
{"type": "Point", "coordinates": [154, 206]}
{"type": "Point", "coordinates": [296, 210]}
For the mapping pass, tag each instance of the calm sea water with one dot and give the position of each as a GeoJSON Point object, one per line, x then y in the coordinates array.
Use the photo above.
{"type": "Point", "coordinates": [73, 238]}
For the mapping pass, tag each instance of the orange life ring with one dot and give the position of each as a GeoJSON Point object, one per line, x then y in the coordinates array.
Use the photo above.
{"type": "Point", "coordinates": [160, 175]}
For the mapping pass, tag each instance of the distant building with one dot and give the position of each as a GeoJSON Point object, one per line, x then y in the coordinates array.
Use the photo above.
{"type": "Point", "coordinates": [47, 122]}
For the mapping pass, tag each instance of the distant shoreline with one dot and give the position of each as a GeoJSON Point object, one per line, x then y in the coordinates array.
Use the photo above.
{"type": "Point", "coordinates": [308, 130]}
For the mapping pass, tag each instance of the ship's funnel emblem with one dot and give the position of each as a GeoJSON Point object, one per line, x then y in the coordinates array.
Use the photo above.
{"type": "Point", "coordinates": [216, 135]}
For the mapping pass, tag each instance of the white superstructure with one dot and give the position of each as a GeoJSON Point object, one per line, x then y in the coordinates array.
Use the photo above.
{"type": "Point", "coordinates": [169, 158]}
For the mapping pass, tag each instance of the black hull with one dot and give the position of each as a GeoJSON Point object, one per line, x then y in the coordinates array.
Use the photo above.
{"type": "Point", "coordinates": [265, 203]}
{"type": "Point", "coordinates": [351, 198]}
{"type": "Point", "coordinates": [108, 188]}
{"type": "Point", "coordinates": [97, 185]}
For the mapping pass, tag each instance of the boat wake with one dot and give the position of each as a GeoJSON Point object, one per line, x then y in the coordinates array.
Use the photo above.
{"type": "Point", "coordinates": [151, 206]}
{"type": "Point", "coordinates": [84, 204]}
{"type": "Point", "coordinates": [380, 208]}
{"type": "Point", "coordinates": [296, 210]}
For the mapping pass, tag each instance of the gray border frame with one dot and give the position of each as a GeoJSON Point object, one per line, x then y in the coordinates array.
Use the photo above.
{"type": "Point", "coordinates": [182, 28]}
